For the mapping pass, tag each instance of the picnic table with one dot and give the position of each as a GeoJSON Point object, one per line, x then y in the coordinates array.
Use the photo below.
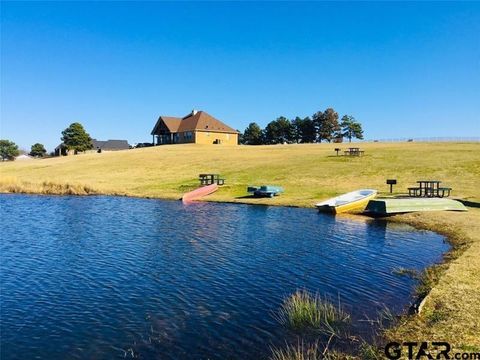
{"type": "Point", "coordinates": [429, 188]}
{"type": "Point", "coordinates": [209, 179]}
{"type": "Point", "coordinates": [354, 151]}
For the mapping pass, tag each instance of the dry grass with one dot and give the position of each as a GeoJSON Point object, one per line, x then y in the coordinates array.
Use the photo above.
{"type": "Point", "coordinates": [10, 185]}
{"type": "Point", "coordinates": [308, 173]}
{"type": "Point", "coordinates": [304, 351]}
{"type": "Point", "coordinates": [452, 308]}
{"type": "Point", "coordinates": [300, 351]}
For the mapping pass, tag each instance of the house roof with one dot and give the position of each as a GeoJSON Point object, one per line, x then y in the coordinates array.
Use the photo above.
{"type": "Point", "coordinates": [203, 121]}
{"type": "Point", "coordinates": [172, 123]}
{"type": "Point", "coordinates": [195, 121]}
{"type": "Point", "coordinates": [110, 144]}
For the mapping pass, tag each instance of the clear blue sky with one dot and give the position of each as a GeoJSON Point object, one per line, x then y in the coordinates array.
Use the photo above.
{"type": "Point", "coordinates": [403, 70]}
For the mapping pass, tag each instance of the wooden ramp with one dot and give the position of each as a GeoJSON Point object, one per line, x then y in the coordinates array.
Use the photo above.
{"type": "Point", "coordinates": [396, 206]}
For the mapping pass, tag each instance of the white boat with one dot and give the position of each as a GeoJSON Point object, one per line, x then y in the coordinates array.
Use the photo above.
{"type": "Point", "coordinates": [355, 201]}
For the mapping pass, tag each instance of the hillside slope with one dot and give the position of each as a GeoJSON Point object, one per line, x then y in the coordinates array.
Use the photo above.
{"type": "Point", "coordinates": [308, 173]}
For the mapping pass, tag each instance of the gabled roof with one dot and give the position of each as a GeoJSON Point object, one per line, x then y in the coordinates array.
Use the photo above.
{"type": "Point", "coordinates": [196, 120]}
{"type": "Point", "coordinates": [203, 121]}
{"type": "Point", "coordinates": [172, 123]}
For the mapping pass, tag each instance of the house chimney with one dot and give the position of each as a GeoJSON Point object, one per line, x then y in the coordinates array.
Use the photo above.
{"type": "Point", "coordinates": [194, 112]}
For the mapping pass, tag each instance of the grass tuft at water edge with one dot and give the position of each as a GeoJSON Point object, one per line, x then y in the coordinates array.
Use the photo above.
{"type": "Point", "coordinates": [303, 310]}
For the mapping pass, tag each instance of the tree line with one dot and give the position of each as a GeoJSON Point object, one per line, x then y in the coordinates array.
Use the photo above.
{"type": "Point", "coordinates": [74, 137]}
{"type": "Point", "coordinates": [9, 150]}
{"type": "Point", "coordinates": [322, 126]}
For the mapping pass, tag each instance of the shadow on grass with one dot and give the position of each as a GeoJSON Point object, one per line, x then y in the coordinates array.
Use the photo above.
{"type": "Point", "coordinates": [469, 203]}
{"type": "Point", "coordinates": [247, 197]}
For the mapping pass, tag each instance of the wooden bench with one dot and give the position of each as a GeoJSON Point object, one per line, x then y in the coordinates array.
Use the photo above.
{"type": "Point", "coordinates": [354, 152]}
{"type": "Point", "coordinates": [208, 179]}
{"type": "Point", "coordinates": [414, 191]}
{"type": "Point", "coordinates": [444, 191]}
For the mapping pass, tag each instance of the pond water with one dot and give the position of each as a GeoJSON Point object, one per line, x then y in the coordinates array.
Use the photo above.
{"type": "Point", "coordinates": [111, 277]}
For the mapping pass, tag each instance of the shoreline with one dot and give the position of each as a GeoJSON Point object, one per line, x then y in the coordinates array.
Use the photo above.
{"type": "Point", "coordinates": [464, 239]}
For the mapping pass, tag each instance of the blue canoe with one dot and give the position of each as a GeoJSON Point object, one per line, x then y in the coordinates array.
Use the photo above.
{"type": "Point", "coordinates": [265, 190]}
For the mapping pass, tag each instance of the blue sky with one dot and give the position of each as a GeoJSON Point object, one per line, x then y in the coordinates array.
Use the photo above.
{"type": "Point", "coordinates": [402, 69]}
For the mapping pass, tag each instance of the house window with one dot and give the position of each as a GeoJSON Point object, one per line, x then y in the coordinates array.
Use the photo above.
{"type": "Point", "coordinates": [188, 135]}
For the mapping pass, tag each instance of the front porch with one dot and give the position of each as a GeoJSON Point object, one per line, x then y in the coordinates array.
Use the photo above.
{"type": "Point", "coordinates": [164, 138]}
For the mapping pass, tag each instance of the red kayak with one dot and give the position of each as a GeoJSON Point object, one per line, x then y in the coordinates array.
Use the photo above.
{"type": "Point", "coordinates": [197, 194]}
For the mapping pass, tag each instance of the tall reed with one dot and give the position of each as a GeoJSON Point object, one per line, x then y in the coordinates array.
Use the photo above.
{"type": "Point", "coordinates": [303, 310]}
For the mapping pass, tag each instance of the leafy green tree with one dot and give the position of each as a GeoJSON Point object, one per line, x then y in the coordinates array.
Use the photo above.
{"type": "Point", "coordinates": [76, 138]}
{"type": "Point", "coordinates": [271, 133]}
{"type": "Point", "coordinates": [38, 150]}
{"type": "Point", "coordinates": [303, 130]}
{"type": "Point", "coordinates": [285, 129]}
{"type": "Point", "coordinates": [252, 135]}
{"type": "Point", "coordinates": [8, 150]}
{"type": "Point", "coordinates": [308, 133]}
{"type": "Point", "coordinates": [297, 127]}
{"type": "Point", "coordinates": [326, 124]}
{"type": "Point", "coordinates": [350, 128]}
{"type": "Point", "coordinates": [279, 131]}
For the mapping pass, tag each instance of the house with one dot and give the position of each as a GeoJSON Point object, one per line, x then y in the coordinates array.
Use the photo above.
{"type": "Point", "coordinates": [198, 127]}
{"type": "Point", "coordinates": [110, 145]}
{"type": "Point", "coordinates": [98, 146]}
{"type": "Point", "coordinates": [62, 150]}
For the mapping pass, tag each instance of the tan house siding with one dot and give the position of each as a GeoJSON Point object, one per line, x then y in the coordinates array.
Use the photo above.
{"type": "Point", "coordinates": [211, 137]}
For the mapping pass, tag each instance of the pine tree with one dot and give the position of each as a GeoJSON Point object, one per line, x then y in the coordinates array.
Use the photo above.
{"type": "Point", "coordinates": [252, 135]}
{"type": "Point", "coordinates": [350, 128]}
{"type": "Point", "coordinates": [76, 138]}
{"type": "Point", "coordinates": [38, 150]}
{"type": "Point", "coordinates": [326, 124]}
{"type": "Point", "coordinates": [8, 150]}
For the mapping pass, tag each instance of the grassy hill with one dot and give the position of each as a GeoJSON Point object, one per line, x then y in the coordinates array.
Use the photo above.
{"type": "Point", "coordinates": [308, 173]}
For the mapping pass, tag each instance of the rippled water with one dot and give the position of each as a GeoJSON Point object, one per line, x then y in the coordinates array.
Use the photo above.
{"type": "Point", "coordinates": [105, 277]}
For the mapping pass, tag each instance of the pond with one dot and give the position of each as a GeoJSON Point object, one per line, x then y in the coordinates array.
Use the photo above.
{"type": "Point", "coordinates": [112, 277]}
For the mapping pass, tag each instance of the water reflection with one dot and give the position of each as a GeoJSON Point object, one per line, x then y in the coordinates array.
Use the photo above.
{"type": "Point", "coordinates": [104, 277]}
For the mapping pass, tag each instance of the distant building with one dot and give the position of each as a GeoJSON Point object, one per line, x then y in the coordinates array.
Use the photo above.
{"type": "Point", "coordinates": [110, 145]}
{"type": "Point", "coordinates": [198, 127]}
{"type": "Point", "coordinates": [24, 157]}
{"type": "Point", "coordinates": [98, 146]}
{"type": "Point", "coordinates": [62, 150]}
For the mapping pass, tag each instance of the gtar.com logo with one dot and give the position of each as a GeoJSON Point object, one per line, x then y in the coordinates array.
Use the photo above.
{"type": "Point", "coordinates": [424, 350]}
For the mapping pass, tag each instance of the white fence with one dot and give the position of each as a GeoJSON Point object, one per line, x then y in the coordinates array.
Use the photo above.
{"type": "Point", "coordinates": [429, 139]}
